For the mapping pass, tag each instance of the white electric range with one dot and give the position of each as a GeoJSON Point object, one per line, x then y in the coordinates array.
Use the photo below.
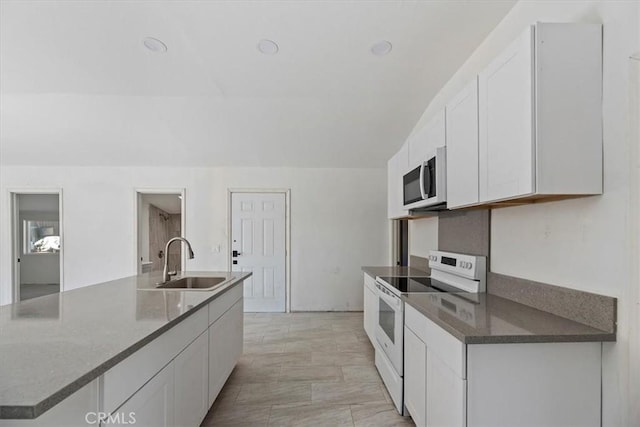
{"type": "Point", "coordinates": [454, 283]}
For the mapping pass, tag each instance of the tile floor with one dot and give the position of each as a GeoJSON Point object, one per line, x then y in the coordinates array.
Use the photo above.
{"type": "Point", "coordinates": [305, 369]}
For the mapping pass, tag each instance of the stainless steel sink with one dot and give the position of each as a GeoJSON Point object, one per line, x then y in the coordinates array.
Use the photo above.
{"type": "Point", "coordinates": [194, 283]}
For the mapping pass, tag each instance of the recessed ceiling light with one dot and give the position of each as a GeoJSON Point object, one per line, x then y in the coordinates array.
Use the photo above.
{"type": "Point", "coordinates": [268, 47]}
{"type": "Point", "coordinates": [154, 45]}
{"type": "Point", "coordinates": [381, 48]}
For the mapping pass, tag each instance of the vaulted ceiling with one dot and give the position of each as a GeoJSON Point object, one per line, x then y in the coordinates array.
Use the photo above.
{"type": "Point", "coordinates": [78, 87]}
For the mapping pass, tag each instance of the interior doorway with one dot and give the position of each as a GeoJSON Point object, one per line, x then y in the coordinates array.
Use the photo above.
{"type": "Point", "coordinates": [37, 244]}
{"type": "Point", "coordinates": [400, 242]}
{"type": "Point", "coordinates": [160, 217]}
{"type": "Point", "coordinates": [259, 239]}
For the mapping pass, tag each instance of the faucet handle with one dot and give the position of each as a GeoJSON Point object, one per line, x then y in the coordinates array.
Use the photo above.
{"type": "Point", "coordinates": [172, 273]}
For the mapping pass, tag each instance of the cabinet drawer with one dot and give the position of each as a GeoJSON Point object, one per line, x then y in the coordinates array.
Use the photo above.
{"type": "Point", "coordinates": [221, 304]}
{"type": "Point", "coordinates": [124, 379]}
{"type": "Point", "coordinates": [442, 344]}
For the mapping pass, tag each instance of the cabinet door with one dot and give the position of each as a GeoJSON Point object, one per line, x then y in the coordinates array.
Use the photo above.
{"type": "Point", "coordinates": [427, 139]}
{"type": "Point", "coordinates": [446, 394]}
{"type": "Point", "coordinates": [397, 166]}
{"type": "Point", "coordinates": [152, 405]}
{"type": "Point", "coordinates": [506, 123]}
{"type": "Point", "coordinates": [462, 147]}
{"type": "Point", "coordinates": [225, 347]}
{"type": "Point", "coordinates": [415, 377]}
{"type": "Point", "coordinates": [192, 382]}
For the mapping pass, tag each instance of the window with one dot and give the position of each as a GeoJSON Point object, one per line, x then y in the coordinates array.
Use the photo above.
{"type": "Point", "coordinates": [41, 237]}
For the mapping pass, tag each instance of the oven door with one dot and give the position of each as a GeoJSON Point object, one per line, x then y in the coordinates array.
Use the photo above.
{"type": "Point", "coordinates": [390, 328]}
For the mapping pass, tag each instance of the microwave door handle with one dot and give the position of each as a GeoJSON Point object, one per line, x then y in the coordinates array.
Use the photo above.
{"type": "Point", "coordinates": [427, 187]}
{"type": "Point", "coordinates": [422, 192]}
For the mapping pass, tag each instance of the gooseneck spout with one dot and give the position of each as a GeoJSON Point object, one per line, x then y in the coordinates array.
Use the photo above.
{"type": "Point", "coordinates": [166, 274]}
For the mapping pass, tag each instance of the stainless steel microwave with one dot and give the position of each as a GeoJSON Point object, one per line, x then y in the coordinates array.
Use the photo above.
{"type": "Point", "coordinates": [425, 186]}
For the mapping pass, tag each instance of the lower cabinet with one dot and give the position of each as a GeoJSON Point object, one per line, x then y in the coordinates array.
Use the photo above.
{"type": "Point", "coordinates": [370, 307]}
{"type": "Point", "coordinates": [171, 381]}
{"type": "Point", "coordinates": [225, 347]}
{"type": "Point", "coordinates": [415, 385]}
{"type": "Point", "coordinates": [446, 394]}
{"type": "Point", "coordinates": [447, 383]}
{"type": "Point", "coordinates": [191, 373]}
{"type": "Point", "coordinates": [152, 405]}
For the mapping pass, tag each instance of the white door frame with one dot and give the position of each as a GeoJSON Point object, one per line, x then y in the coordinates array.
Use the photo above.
{"type": "Point", "coordinates": [182, 192]}
{"type": "Point", "coordinates": [16, 251]}
{"type": "Point", "coordinates": [287, 232]}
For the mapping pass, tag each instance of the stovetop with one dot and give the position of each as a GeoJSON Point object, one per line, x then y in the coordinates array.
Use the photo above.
{"type": "Point", "coordinates": [404, 285]}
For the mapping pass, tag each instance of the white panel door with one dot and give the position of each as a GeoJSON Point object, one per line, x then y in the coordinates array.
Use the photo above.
{"type": "Point", "coordinates": [152, 405]}
{"type": "Point", "coordinates": [225, 348]}
{"type": "Point", "coordinates": [506, 123]}
{"type": "Point", "coordinates": [258, 243]}
{"type": "Point", "coordinates": [415, 377]}
{"type": "Point", "coordinates": [462, 147]}
{"type": "Point", "coordinates": [191, 370]}
{"type": "Point", "coordinates": [425, 141]}
{"type": "Point", "coordinates": [446, 394]}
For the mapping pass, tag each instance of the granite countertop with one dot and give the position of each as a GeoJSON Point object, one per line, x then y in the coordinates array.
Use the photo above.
{"type": "Point", "coordinates": [394, 271]}
{"type": "Point", "coordinates": [499, 320]}
{"type": "Point", "coordinates": [53, 345]}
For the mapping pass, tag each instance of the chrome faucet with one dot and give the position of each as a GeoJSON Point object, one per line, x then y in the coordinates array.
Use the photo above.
{"type": "Point", "coordinates": [166, 274]}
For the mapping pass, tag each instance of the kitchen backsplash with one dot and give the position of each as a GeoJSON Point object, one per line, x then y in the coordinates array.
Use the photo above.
{"type": "Point", "coordinates": [466, 232]}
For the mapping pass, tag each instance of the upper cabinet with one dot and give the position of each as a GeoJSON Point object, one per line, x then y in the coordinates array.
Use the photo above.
{"type": "Point", "coordinates": [397, 166]}
{"type": "Point", "coordinates": [462, 148]}
{"type": "Point", "coordinates": [540, 111]}
{"type": "Point", "coordinates": [528, 128]}
{"type": "Point", "coordinates": [427, 139]}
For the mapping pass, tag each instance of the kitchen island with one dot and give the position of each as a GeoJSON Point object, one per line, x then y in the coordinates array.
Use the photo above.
{"type": "Point", "coordinates": [95, 350]}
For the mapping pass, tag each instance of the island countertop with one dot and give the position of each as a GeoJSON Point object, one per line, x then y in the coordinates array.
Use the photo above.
{"type": "Point", "coordinates": [52, 346]}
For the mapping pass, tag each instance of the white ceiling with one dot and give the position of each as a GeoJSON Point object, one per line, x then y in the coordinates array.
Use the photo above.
{"type": "Point", "coordinates": [78, 88]}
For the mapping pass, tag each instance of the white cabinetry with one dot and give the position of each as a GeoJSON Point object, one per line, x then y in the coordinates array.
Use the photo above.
{"type": "Point", "coordinates": [448, 383]}
{"type": "Point", "coordinates": [225, 347]}
{"type": "Point", "coordinates": [152, 405]}
{"type": "Point", "coordinates": [427, 139]}
{"type": "Point", "coordinates": [415, 385]}
{"type": "Point", "coordinates": [397, 166]}
{"type": "Point", "coordinates": [192, 382]}
{"type": "Point", "coordinates": [462, 148]}
{"type": "Point", "coordinates": [540, 127]}
{"type": "Point", "coordinates": [370, 307]}
{"type": "Point", "coordinates": [446, 393]}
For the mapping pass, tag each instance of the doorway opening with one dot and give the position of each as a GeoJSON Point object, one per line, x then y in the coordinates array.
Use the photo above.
{"type": "Point", "coordinates": [400, 242]}
{"type": "Point", "coordinates": [159, 217]}
{"type": "Point", "coordinates": [37, 244]}
{"type": "Point", "coordinates": [259, 242]}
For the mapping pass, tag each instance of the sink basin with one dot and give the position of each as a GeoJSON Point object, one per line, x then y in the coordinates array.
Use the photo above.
{"type": "Point", "coordinates": [194, 283]}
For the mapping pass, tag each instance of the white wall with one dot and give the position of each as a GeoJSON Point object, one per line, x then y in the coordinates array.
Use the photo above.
{"type": "Point", "coordinates": [338, 223]}
{"type": "Point", "coordinates": [423, 236]}
{"type": "Point", "coordinates": [584, 243]}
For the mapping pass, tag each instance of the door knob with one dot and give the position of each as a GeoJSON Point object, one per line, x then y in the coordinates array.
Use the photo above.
{"type": "Point", "coordinates": [235, 254]}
